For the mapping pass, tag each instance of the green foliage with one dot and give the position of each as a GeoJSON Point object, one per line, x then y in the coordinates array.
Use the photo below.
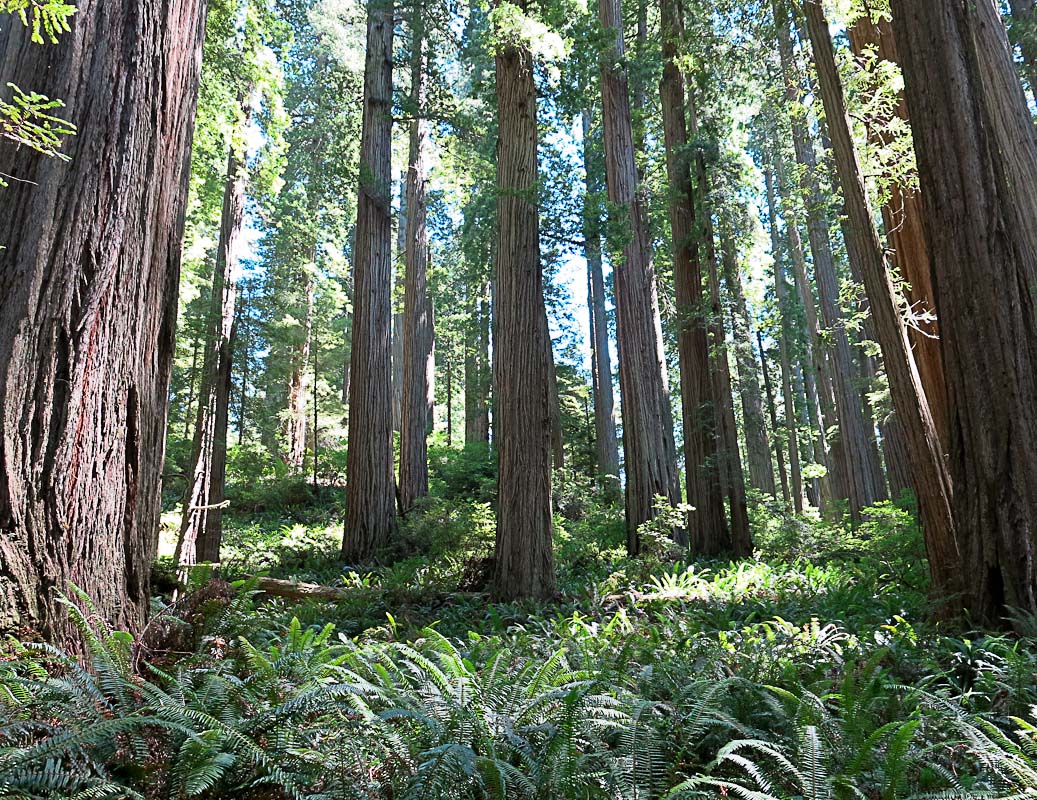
{"type": "Point", "coordinates": [46, 18]}
{"type": "Point", "coordinates": [26, 120]}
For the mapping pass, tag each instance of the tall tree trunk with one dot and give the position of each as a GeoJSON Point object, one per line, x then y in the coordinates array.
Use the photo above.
{"type": "Point", "coordinates": [771, 408]}
{"type": "Point", "coordinates": [417, 305]}
{"type": "Point", "coordinates": [477, 378]}
{"type": "Point", "coordinates": [931, 477]}
{"type": "Point", "coordinates": [524, 558]}
{"type": "Point", "coordinates": [201, 525]}
{"type": "Point", "coordinates": [977, 165]}
{"type": "Point", "coordinates": [89, 286]}
{"type": "Point", "coordinates": [606, 441]}
{"type": "Point", "coordinates": [192, 378]}
{"type": "Point", "coordinates": [905, 235]}
{"type": "Point", "coordinates": [758, 449]}
{"type": "Point", "coordinates": [298, 384]}
{"type": "Point", "coordinates": [707, 529]}
{"type": "Point", "coordinates": [861, 470]}
{"type": "Point", "coordinates": [649, 452]}
{"type": "Point", "coordinates": [370, 483]}
{"type": "Point", "coordinates": [780, 293]}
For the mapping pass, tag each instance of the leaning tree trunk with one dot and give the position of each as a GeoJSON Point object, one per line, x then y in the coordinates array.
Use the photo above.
{"type": "Point", "coordinates": [201, 525]}
{"type": "Point", "coordinates": [524, 562]}
{"type": "Point", "coordinates": [417, 397]}
{"type": "Point", "coordinates": [606, 442]}
{"type": "Point", "coordinates": [648, 448]}
{"type": "Point", "coordinates": [707, 527]}
{"type": "Point", "coordinates": [931, 477]}
{"type": "Point", "coordinates": [977, 165]}
{"type": "Point", "coordinates": [370, 482]}
{"type": "Point", "coordinates": [89, 286]}
{"type": "Point", "coordinates": [758, 448]}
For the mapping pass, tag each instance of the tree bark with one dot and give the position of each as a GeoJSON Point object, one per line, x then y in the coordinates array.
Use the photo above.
{"type": "Point", "coordinates": [606, 441]}
{"type": "Point", "coordinates": [932, 479]}
{"type": "Point", "coordinates": [298, 383]}
{"type": "Point", "coordinates": [524, 561]}
{"type": "Point", "coordinates": [649, 451]}
{"type": "Point", "coordinates": [757, 445]}
{"type": "Point", "coordinates": [477, 377]}
{"type": "Point", "coordinates": [370, 483]}
{"type": "Point", "coordinates": [779, 455]}
{"type": "Point", "coordinates": [201, 525]}
{"type": "Point", "coordinates": [417, 304]}
{"type": "Point", "coordinates": [89, 286]}
{"type": "Point", "coordinates": [707, 527]}
{"type": "Point", "coordinates": [977, 165]}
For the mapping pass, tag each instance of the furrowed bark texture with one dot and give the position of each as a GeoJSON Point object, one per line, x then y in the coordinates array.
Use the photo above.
{"type": "Point", "coordinates": [89, 295]}
{"type": "Point", "coordinates": [370, 482]}
{"type": "Point", "coordinates": [201, 524]}
{"type": "Point", "coordinates": [932, 479]}
{"type": "Point", "coordinates": [524, 562]}
{"type": "Point", "coordinates": [650, 461]}
{"type": "Point", "coordinates": [417, 304]}
{"type": "Point", "coordinates": [977, 164]}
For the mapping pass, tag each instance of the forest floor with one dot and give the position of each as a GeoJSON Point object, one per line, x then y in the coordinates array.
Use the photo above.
{"type": "Point", "coordinates": [814, 671]}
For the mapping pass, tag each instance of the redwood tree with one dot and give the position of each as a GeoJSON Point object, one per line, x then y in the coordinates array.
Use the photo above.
{"type": "Point", "coordinates": [977, 166]}
{"type": "Point", "coordinates": [89, 285]}
{"type": "Point", "coordinates": [370, 482]}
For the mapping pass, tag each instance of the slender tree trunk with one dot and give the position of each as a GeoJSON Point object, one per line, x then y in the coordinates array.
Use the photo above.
{"type": "Point", "coordinates": [781, 292]}
{"type": "Point", "coordinates": [606, 441]}
{"type": "Point", "coordinates": [931, 477]}
{"type": "Point", "coordinates": [477, 377]}
{"type": "Point", "coordinates": [201, 526]}
{"type": "Point", "coordinates": [758, 448]}
{"type": "Point", "coordinates": [417, 307]}
{"type": "Point", "coordinates": [977, 165]}
{"type": "Point", "coordinates": [370, 483]}
{"type": "Point", "coordinates": [771, 407]}
{"type": "Point", "coordinates": [707, 528]}
{"type": "Point", "coordinates": [89, 285]}
{"type": "Point", "coordinates": [189, 417]}
{"type": "Point", "coordinates": [649, 451]}
{"type": "Point", "coordinates": [524, 558]}
{"type": "Point", "coordinates": [298, 384]}
{"type": "Point", "coordinates": [450, 396]}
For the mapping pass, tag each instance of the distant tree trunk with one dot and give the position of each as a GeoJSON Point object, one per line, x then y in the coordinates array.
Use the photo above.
{"type": "Point", "coordinates": [201, 525]}
{"type": "Point", "coordinates": [370, 483]}
{"type": "Point", "coordinates": [758, 449]}
{"type": "Point", "coordinates": [707, 529]}
{"type": "Point", "coordinates": [417, 306]}
{"type": "Point", "coordinates": [89, 285]}
{"type": "Point", "coordinates": [1024, 33]}
{"type": "Point", "coordinates": [861, 470]}
{"type": "Point", "coordinates": [781, 292]}
{"type": "Point", "coordinates": [450, 395]}
{"type": "Point", "coordinates": [771, 408]}
{"type": "Point", "coordinates": [606, 441]}
{"type": "Point", "coordinates": [298, 385]}
{"type": "Point", "coordinates": [649, 451]}
{"type": "Point", "coordinates": [977, 165]}
{"type": "Point", "coordinates": [524, 558]}
{"type": "Point", "coordinates": [398, 270]}
{"type": "Point", "coordinates": [477, 377]}
{"type": "Point", "coordinates": [931, 477]}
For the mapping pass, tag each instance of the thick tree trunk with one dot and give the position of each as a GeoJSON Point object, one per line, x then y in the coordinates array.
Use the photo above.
{"type": "Point", "coordinates": [606, 441]}
{"type": "Point", "coordinates": [977, 164]}
{"type": "Point", "coordinates": [524, 560]}
{"type": "Point", "coordinates": [477, 378]}
{"type": "Point", "coordinates": [757, 446]}
{"type": "Point", "coordinates": [417, 304]}
{"type": "Point", "coordinates": [649, 452]}
{"type": "Point", "coordinates": [370, 483]}
{"type": "Point", "coordinates": [931, 477]}
{"type": "Point", "coordinates": [707, 528]}
{"type": "Point", "coordinates": [201, 525]}
{"type": "Point", "coordinates": [781, 296]}
{"type": "Point", "coordinates": [861, 470]}
{"type": "Point", "coordinates": [89, 286]}
{"type": "Point", "coordinates": [772, 409]}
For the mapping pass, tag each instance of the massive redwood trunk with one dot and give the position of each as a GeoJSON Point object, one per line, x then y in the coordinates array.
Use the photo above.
{"type": "Point", "coordinates": [522, 366]}
{"type": "Point", "coordinates": [606, 442]}
{"type": "Point", "coordinates": [932, 479]}
{"type": "Point", "coordinates": [650, 459]}
{"type": "Point", "coordinates": [707, 527]}
{"type": "Point", "coordinates": [201, 525]}
{"type": "Point", "coordinates": [977, 165]}
{"type": "Point", "coordinates": [89, 286]}
{"type": "Point", "coordinates": [370, 482]}
{"type": "Point", "coordinates": [417, 397]}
